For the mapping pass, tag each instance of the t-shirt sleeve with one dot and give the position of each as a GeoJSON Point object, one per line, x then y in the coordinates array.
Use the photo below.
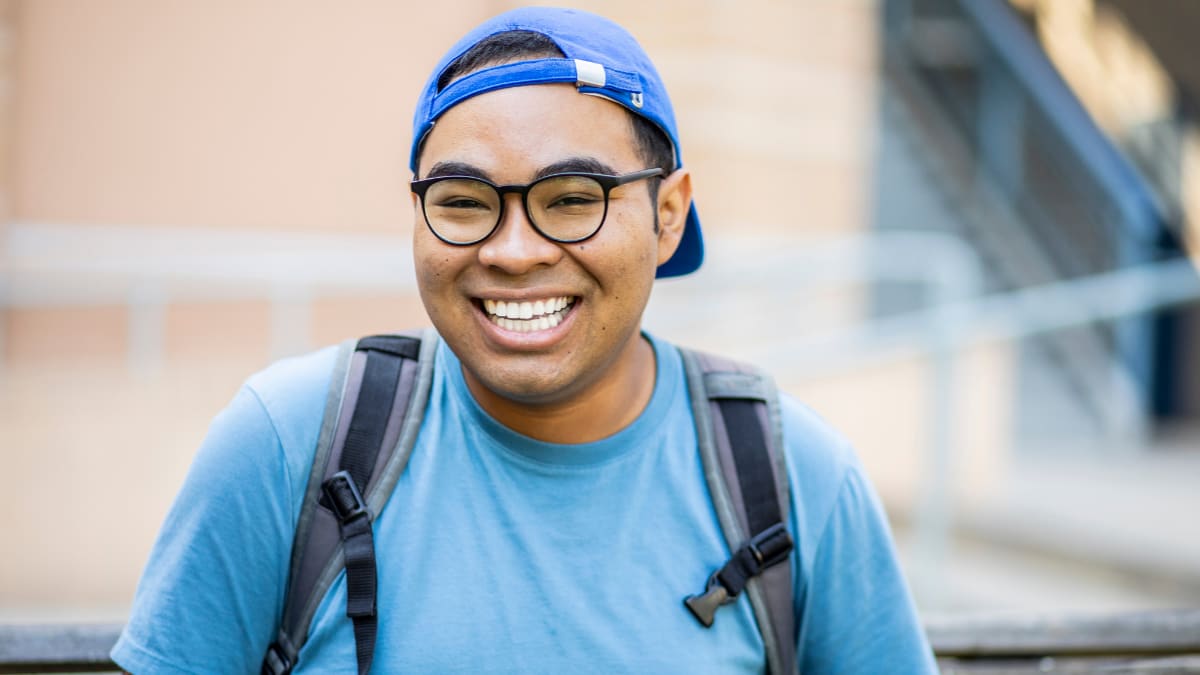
{"type": "Point", "coordinates": [212, 589]}
{"type": "Point", "coordinates": [854, 610]}
{"type": "Point", "coordinates": [857, 614]}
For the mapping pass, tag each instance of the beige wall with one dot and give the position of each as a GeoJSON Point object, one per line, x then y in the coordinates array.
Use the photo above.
{"type": "Point", "coordinates": [8, 87]}
{"type": "Point", "coordinates": [265, 114]}
{"type": "Point", "coordinates": [275, 114]}
{"type": "Point", "coordinates": [294, 116]}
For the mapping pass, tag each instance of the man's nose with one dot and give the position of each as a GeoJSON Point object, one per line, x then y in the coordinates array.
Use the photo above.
{"type": "Point", "coordinates": [516, 247]}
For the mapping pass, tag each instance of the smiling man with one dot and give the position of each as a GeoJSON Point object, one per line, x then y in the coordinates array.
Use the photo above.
{"type": "Point", "coordinates": [554, 505]}
{"type": "Point", "coordinates": [579, 371]}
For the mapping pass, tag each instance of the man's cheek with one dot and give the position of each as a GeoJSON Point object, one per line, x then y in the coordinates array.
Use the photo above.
{"type": "Point", "coordinates": [429, 285]}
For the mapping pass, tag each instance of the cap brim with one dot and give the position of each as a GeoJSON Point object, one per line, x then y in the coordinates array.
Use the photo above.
{"type": "Point", "coordinates": [690, 253]}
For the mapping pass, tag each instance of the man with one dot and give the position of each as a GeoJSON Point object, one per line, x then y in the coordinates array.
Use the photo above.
{"type": "Point", "coordinates": [553, 513]}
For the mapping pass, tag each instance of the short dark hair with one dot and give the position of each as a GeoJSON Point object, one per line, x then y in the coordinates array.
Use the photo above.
{"type": "Point", "coordinates": [653, 146]}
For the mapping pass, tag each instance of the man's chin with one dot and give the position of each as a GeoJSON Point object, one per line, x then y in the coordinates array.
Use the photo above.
{"type": "Point", "coordinates": [523, 389]}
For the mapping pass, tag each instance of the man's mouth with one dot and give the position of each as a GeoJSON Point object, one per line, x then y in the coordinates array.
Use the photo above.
{"type": "Point", "coordinates": [526, 316]}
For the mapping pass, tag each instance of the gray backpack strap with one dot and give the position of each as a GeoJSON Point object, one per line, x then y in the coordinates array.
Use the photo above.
{"type": "Point", "coordinates": [317, 550]}
{"type": "Point", "coordinates": [738, 427]}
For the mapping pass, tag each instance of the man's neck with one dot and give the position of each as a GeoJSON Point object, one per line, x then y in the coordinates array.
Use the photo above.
{"type": "Point", "coordinates": [598, 411]}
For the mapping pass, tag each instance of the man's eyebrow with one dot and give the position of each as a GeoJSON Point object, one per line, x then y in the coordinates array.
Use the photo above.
{"type": "Point", "coordinates": [456, 169]}
{"type": "Point", "coordinates": [573, 164]}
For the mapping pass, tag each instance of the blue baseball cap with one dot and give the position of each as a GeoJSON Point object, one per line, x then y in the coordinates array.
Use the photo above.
{"type": "Point", "coordinates": [601, 58]}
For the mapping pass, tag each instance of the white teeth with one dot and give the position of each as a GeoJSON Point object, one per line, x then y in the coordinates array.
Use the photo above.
{"type": "Point", "coordinates": [527, 316]}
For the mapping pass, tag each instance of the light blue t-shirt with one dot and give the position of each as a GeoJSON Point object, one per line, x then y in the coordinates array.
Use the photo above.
{"type": "Point", "coordinates": [500, 553]}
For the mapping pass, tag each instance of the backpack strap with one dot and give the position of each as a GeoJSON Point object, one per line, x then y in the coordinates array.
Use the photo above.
{"type": "Point", "coordinates": [373, 410]}
{"type": "Point", "coordinates": [738, 428]}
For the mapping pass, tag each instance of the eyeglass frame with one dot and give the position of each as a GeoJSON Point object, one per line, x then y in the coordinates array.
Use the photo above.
{"type": "Point", "coordinates": [607, 183]}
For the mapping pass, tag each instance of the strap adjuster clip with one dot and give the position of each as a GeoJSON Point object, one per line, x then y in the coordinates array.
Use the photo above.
{"type": "Point", "coordinates": [343, 496]}
{"type": "Point", "coordinates": [771, 546]}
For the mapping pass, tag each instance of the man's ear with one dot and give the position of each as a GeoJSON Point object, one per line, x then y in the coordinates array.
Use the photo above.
{"type": "Point", "coordinates": [674, 202]}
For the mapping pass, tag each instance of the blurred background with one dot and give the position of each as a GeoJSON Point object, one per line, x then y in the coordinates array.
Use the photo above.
{"type": "Point", "coordinates": [964, 231]}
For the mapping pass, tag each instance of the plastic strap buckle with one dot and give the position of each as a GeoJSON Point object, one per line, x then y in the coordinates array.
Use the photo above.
{"type": "Point", "coordinates": [343, 496]}
{"type": "Point", "coordinates": [704, 606]}
{"type": "Point", "coordinates": [767, 548]}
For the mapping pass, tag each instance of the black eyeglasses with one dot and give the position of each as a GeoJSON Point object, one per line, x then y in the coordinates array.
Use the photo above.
{"type": "Point", "coordinates": [563, 207]}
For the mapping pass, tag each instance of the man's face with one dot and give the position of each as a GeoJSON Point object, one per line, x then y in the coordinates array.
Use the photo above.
{"type": "Point", "coordinates": [517, 135]}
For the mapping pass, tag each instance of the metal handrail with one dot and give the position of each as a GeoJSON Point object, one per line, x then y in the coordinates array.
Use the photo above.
{"type": "Point", "coordinates": [1032, 638]}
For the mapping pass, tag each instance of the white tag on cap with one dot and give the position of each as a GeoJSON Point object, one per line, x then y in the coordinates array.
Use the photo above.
{"type": "Point", "coordinates": [589, 73]}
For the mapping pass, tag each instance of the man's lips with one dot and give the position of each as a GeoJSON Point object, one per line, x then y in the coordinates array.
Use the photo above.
{"type": "Point", "coordinates": [527, 316]}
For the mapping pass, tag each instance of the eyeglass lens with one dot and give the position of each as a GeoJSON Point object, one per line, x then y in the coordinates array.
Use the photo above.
{"type": "Point", "coordinates": [565, 208]}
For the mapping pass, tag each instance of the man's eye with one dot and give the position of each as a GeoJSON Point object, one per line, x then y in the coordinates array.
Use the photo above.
{"type": "Point", "coordinates": [573, 201]}
{"type": "Point", "coordinates": [461, 203]}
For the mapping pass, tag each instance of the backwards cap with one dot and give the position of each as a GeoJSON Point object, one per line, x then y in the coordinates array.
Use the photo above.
{"type": "Point", "coordinates": [601, 58]}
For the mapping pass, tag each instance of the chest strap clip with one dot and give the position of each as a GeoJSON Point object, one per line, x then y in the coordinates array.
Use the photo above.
{"type": "Point", "coordinates": [767, 548]}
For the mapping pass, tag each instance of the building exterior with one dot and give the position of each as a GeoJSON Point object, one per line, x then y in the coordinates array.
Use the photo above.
{"type": "Point", "coordinates": [190, 189]}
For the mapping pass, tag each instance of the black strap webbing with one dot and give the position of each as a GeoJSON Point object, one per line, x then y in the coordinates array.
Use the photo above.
{"type": "Point", "coordinates": [753, 462]}
{"type": "Point", "coordinates": [358, 552]}
{"type": "Point", "coordinates": [397, 345]}
{"type": "Point", "coordinates": [359, 436]}
{"type": "Point", "coordinates": [769, 542]}
{"type": "Point", "coordinates": [364, 438]}
{"type": "Point", "coordinates": [369, 422]}
{"type": "Point", "coordinates": [359, 548]}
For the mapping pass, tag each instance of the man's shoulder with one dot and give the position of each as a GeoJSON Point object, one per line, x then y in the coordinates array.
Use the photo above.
{"type": "Point", "coordinates": [283, 380]}
{"type": "Point", "coordinates": [816, 453]}
{"type": "Point", "coordinates": [238, 505]}
{"type": "Point", "coordinates": [812, 442]}
{"type": "Point", "coordinates": [803, 427]}
{"type": "Point", "coordinates": [292, 393]}
{"type": "Point", "coordinates": [304, 371]}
